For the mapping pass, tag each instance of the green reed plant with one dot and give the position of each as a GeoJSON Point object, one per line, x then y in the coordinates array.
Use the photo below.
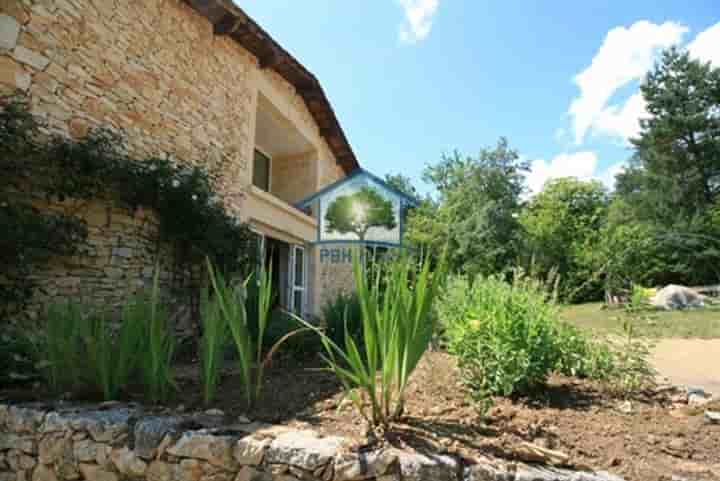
{"type": "Point", "coordinates": [397, 325]}
{"type": "Point", "coordinates": [58, 346]}
{"type": "Point", "coordinates": [215, 337]}
{"type": "Point", "coordinates": [159, 346]}
{"type": "Point", "coordinates": [247, 333]}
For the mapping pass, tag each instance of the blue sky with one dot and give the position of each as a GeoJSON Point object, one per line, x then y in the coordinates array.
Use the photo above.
{"type": "Point", "coordinates": [411, 79]}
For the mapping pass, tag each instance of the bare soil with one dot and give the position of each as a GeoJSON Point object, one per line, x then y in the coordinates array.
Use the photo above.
{"type": "Point", "coordinates": [583, 419]}
{"type": "Point", "coordinates": [690, 362]}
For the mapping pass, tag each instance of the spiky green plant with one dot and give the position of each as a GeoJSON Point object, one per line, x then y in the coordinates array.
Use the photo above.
{"type": "Point", "coordinates": [397, 326]}
{"type": "Point", "coordinates": [215, 337]}
{"type": "Point", "coordinates": [159, 346]}
{"type": "Point", "coordinates": [231, 299]}
{"type": "Point", "coordinates": [57, 349]}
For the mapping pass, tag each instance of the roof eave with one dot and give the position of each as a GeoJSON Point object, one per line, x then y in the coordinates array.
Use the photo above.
{"type": "Point", "coordinates": [229, 19]}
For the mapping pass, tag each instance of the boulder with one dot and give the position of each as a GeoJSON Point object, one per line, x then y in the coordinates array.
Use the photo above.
{"type": "Point", "coordinates": [673, 297]}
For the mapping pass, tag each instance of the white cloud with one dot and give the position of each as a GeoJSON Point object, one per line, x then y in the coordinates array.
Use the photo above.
{"type": "Point", "coordinates": [625, 56]}
{"type": "Point", "coordinates": [622, 121]}
{"type": "Point", "coordinates": [579, 164]}
{"type": "Point", "coordinates": [418, 19]}
{"type": "Point", "coordinates": [706, 45]}
{"type": "Point", "coordinates": [582, 165]}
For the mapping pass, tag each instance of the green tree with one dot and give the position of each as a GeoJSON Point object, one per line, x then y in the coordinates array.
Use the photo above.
{"type": "Point", "coordinates": [476, 211]}
{"type": "Point", "coordinates": [678, 149]}
{"type": "Point", "coordinates": [402, 183]}
{"type": "Point", "coordinates": [672, 183]}
{"type": "Point", "coordinates": [360, 211]}
{"type": "Point", "coordinates": [562, 230]}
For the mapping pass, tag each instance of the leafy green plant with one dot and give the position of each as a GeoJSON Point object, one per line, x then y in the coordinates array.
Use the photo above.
{"type": "Point", "coordinates": [247, 333]}
{"type": "Point", "coordinates": [303, 344]}
{"type": "Point", "coordinates": [397, 326]}
{"type": "Point", "coordinates": [214, 339]}
{"type": "Point", "coordinates": [506, 340]}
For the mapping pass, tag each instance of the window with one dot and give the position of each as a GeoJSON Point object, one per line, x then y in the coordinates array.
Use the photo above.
{"type": "Point", "coordinates": [261, 171]}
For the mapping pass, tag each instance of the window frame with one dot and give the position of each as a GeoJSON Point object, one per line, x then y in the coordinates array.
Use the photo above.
{"type": "Point", "coordinates": [264, 153]}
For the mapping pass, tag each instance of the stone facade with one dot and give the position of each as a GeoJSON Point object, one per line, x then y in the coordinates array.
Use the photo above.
{"type": "Point", "coordinates": [155, 72]}
{"type": "Point", "coordinates": [114, 442]}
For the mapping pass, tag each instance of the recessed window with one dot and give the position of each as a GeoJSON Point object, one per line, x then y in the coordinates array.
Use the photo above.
{"type": "Point", "coordinates": [261, 171]}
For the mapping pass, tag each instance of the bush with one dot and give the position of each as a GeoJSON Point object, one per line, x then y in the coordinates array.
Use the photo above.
{"type": "Point", "coordinates": [503, 334]}
{"type": "Point", "coordinates": [300, 345]}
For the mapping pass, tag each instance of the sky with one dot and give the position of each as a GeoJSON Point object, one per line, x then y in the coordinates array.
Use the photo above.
{"type": "Point", "coordinates": [410, 80]}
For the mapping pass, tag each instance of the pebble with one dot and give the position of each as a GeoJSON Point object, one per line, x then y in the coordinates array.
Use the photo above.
{"type": "Point", "coordinates": [712, 417]}
{"type": "Point", "coordinates": [215, 412]}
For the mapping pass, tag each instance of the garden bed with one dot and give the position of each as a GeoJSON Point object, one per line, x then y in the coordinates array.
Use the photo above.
{"type": "Point", "coordinates": [649, 438]}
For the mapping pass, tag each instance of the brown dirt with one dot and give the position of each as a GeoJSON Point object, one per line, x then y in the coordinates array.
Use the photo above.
{"type": "Point", "coordinates": [579, 418]}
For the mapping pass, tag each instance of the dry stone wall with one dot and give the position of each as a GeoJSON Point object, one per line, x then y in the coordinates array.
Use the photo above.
{"type": "Point", "coordinates": [111, 442]}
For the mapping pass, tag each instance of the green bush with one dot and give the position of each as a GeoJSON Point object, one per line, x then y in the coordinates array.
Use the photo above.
{"type": "Point", "coordinates": [300, 345]}
{"type": "Point", "coordinates": [505, 338]}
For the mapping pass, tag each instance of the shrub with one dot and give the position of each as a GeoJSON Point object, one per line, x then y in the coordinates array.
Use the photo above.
{"type": "Point", "coordinates": [397, 326]}
{"type": "Point", "coordinates": [505, 340]}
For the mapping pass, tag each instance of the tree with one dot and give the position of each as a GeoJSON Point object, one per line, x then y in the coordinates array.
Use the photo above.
{"type": "Point", "coordinates": [402, 183]}
{"type": "Point", "coordinates": [676, 169]}
{"type": "Point", "coordinates": [562, 227]}
{"type": "Point", "coordinates": [476, 211]}
{"type": "Point", "coordinates": [672, 183]}
{"type": "Point", "coordinates": [360, 211]}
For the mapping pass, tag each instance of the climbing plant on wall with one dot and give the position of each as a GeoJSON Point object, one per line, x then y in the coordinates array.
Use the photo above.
{"type": "Point", "coordinates": [42, 166]}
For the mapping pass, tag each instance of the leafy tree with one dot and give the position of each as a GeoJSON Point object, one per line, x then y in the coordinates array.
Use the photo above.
{"type": "Point", "coordinates": [476, 212]}
{"type": "Point", "coordinates": [402, 183]}
{"type": "Point", "coordinates": [360, 211]}
{"type": "Point", "coordinates": [672, 184]}
{"type": "Point", "coordinates": [562, 227]}
{"type": "Point", "coordinates": [677, 165]}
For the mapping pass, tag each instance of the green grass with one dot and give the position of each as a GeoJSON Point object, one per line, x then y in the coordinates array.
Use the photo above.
{"type": "Point", "coordinates": [694, 323]}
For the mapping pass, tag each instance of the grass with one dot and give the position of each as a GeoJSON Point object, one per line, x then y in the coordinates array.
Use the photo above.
{"type": "Point", "coordinates": [694, 323]}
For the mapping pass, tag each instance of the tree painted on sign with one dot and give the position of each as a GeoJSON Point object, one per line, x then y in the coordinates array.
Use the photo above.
{"type": "Point", "coordinates": [356, 213]}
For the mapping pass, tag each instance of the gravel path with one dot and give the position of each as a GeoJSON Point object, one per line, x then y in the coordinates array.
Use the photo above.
{"type": "Point", "coordinates": [693, 362]}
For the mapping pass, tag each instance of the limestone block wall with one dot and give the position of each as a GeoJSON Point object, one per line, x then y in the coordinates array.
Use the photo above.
{"type": "Point", "coordinates": [112, 442]}
{"type": "Point", "coordinates": [154, 71]}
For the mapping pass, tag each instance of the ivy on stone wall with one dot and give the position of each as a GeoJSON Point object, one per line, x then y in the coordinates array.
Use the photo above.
{"type": "Point", "coordinates": [64, 171]}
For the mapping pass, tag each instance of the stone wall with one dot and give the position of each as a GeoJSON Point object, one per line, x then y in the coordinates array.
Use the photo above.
{"type": "Point", "coordinates": [111, 442]}
{"type": "Point", "coordinates": [155, 72]}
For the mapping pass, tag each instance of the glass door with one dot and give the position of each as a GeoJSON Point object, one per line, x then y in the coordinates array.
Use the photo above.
{"type": "Point", "coordinates": [298, 279]}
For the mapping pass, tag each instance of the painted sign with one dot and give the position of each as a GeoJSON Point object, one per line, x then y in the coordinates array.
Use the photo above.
{"type": "Point", "coordinates": [360, 209]}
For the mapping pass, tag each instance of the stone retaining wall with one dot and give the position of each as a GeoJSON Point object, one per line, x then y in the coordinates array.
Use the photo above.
{"type": "Point", "coordinates": [111, 442]}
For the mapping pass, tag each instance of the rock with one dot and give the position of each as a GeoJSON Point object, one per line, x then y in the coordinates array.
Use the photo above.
{"type": "Point", "coordinates": [250, 451]}
{"type": "Point", "coordinates": [23, 419]}
{"type": "Point", "coordinates": [86, 450]}
{"type": "Point", "coordinates": [625, 407]}
{"type": "Point", "coordinates": [302, 449]}
{"type": "Point", "coordinates": [159, 471]}
{"type": "Point", "coordinates": [712, 417]}
{"type": "Point", "coordinates": [43, 473]}
{"type": "Point", "coordinates": [697, 400]}
{"type": "Point", "coordinates": [215, 449]}
{"type": "Point", "coordinates": [248, 473]}
{"type": "Point", "coordinates": [9, 32]}
{"type": "Point", "coordinates": [31, 58]}
{"type": "Point", "coordinates": [150, 431]}
{"type": "Point", "coordinates": [13, 74]}
{"type": "Point", "coordinates": [421, 467]}
{"type": "Point", "coordinates": [358, 465]}
{"type": "Point", "coordinates": [103, 426]}
{"type": "Point", "coordinates": [93, 472]}
{"type": "Point", "coordinates": [25, 444]}
{"type": "Point", "coordinates": [53, 447]}
{"type": "Point", "coordinates": [677, 297]}
{"type": "Point", "coordinates": [128, 463]}
{"type": "Point", "coordinates": [243, 419]}
{"type": "Point", "coordinates": [215, 412]}
{"type": "Point", "coordinates": [537, 454]}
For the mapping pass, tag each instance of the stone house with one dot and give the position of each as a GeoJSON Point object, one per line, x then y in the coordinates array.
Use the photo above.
{"type": "Point", "coordinates": [200, 81]}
